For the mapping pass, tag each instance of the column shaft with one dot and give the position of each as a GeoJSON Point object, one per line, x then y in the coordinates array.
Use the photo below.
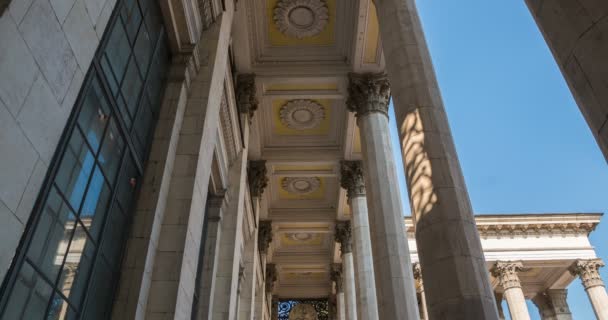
{"type": "Point", "coordinates": [448, 242]}
{"type": "Point", "coordinates": [517, 304]}
{"type": "Point", "coordinates": [577, 33]}
{"type": "Point", "coordinates": [553, 304]}
{"type": "Point", "coordinates": [392, 265]}
{"type": "Point", "coordinates": [365, 283]}
{"type": "Point", "coordinates": [599, 301]}
{"type": "Point", "coordinates": [341, 307]}
{"type": "Point", "coordinates": [350, 296]}
{"type": "Point", "coordinates": [506, 272]}
{"type": "Point", "coordinates": [588, 270]}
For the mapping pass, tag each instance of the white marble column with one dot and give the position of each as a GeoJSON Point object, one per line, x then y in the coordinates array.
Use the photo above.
{"type": "Point", "coordinates": [368, 98]}
{"type": "Point", "coordinates": [553, 304]}
{"type": "Point", "coordinates": [365, 283]}
{"type": "Point", "coordinates": [343, 235]}
{"type": "Point", "coordinates": [336, 277]}
{"type": "Point", "coordinates": [424, 315]}
{"type": "Point", "coordinates": [216, 203]}
{"type": "Point", "coordinates": [448, 243]}
{"type": "Point", "coordinates": [588, 271]}
{"type": "Point", "coordinates": [506, 272]}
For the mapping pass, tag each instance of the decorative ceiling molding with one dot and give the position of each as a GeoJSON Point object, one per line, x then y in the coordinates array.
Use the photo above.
{"type": "Point", "coordinates": [300, 185]}
{"type": "Point", "coordinates": [301, 18]}
{"type": "Point", "coordinates": [302, 114]}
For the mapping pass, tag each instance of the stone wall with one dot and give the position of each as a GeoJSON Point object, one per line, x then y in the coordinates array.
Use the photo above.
{"type": "Point", "coordinates": [46, 47]}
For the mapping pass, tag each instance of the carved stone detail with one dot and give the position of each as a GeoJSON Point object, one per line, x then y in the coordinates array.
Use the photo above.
{"type": "Point", "coordinates": [218, 200]}
{"type": "Point", "coordinates": [302, 114]}
{"type": "Point", "coordinates": [256, 173]}
{"type": "Point", "coordinates": [301, 18]}
{"type": "Point", "coordinates": [264, 236]}
{"type": "Point", "coordinates": [351, 178]}
{"type": "Point", "coordinates": [343, 235]}
{"type": "Point", "coordinates": [336, 276]}
{"type": "Point", "coordinates": [368, 93]}
{"type": "Point", "coordinates": [271, 276]}
{"type": "Point", "coordinates": [551, 303]}
{"type": "Point", "coordinates": [417, 269]}
{"type": "Point", "coordinates": [506, 272]}
{"type": "Point", "coordinates": [300, 185]}
{"type": "Point", "coordinates": [246, 99]}
{"type": "Point", "coordinates": [588, 271]}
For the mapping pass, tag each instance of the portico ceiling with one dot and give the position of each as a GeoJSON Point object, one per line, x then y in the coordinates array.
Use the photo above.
{"type": "Point", "coordinates": [301, 52]}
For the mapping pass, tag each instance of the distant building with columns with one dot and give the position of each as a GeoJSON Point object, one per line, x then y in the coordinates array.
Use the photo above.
{"type": "Point", "coordinates": [223, 159]}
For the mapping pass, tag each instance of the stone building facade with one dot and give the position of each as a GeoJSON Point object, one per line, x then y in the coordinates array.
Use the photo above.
{"type": "Point", "coordinates": [223, 159]}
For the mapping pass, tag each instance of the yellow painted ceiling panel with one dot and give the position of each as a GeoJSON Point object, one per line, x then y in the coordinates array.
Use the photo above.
{"type": "Point", "coordinates": [318, 194]}
{"type": "Point", "coordinates": [304, 168]}
{"type": "Point", "coordinates": [326, 37]}
{"type": "Point", "coordinates": [371, 36]}
{"type": "Point", "coordinates": [302, 86]}
{"type": "Point", "coordinates": [281, 129]}
{"type": "Point", "coordinates": [301, 239]}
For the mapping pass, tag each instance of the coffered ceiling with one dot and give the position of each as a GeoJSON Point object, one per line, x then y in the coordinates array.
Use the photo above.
{"type": "Point", "coordinates": [301, 52]}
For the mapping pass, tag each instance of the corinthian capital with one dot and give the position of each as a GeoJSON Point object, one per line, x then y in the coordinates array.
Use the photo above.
{"type": "Point", "coordinates": [246, 99]}
{"type": "Point", "coordinates": [588, 270]}
{"type": "Point", "coordinates": [256, 174]}
{"type": "Point", "coordinates": [367, 93]}
{"type": "Point", "coordinates": [506, 272]}
{"type": "Point", "coordinates": [417, 269]}
{"type": "Point", "coordinates": [351, 178]}
{"type": "Point", "coordinates": [271, 276]}
{"type": "Point", "coordinates": [336, 276]}
{"type": "Point", "coordinates": [343, 235]}
{"type": "Point", "coordinates": [264, 236]}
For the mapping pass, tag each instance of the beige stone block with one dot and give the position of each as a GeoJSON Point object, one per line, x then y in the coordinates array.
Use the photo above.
{"type": "Point", "coordinates": [43, 131]}
{"type": "Point", "coordinates": [79, 31]}
{"type": "Point", "coordinates": [18, 160]}
{"type": "Point", "coordinates": [189, 144]}
{"type": "Point", "coordinates": [167, 266]}
{"type": "Point", "coordinates": [46, 40]}
{"type": "Point", "coordinates": [173, 238]}
{"type": "Point", "coordinates": [11, 232]}
{"type": "Point", "coordinates": [32, 190]}
{"type": "Point", "coordinates": [17, 66]}
{"type": "Point", "coordinates": [162, 296]}
{"type": "Point", "coordinates": [18, 9]}
{"type": "Point", "coordinates": [62, 8]}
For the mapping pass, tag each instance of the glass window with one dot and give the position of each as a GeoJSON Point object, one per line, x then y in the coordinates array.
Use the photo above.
{"type": "Point", "coordinates": [69, 260]}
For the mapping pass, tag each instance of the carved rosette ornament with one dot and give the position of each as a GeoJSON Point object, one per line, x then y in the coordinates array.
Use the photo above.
{"type": "Point", "coordinates": [336, 276]}
{"type": "Point", "coordinates": [245, 93]}
{"type": "Point", "coordinates": [302, 114]}
{"type": "Point", "coordinates": [264, 236]}
{"type": "Point", "coordinates": [368, 93]}
{"type": "Point", "coordinates": [506, 272]}
{"type": "Point", "coordinates": [301, 18]}
{"type": "Point", "coordinates": [271, 276]}
{"type": "Point", "coordinates": [588, 271]}
{"type": "Point", "coordinates": [256, 174]}
{"type": "Point", "coordinates": [343, 235]}
{"type": "Point", "coordinates": [351, 178]}
{"type": "Point", "coordinates": [300, 185]}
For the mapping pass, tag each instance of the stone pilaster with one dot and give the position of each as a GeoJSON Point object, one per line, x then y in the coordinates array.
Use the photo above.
{"type": "Point", "coordinates": [343, 236]}
{"type": "Point", "coordinates": [351, 179]}
{"type": "Point", "coordinates": [368, 99]}
{"type": "Point", "coordinates": [274, 312]}
{"type": "Point", "coordinates": [264, 236]}
{"type": "Point", "coordinates": [506, 272]}
{"type": "Point", "coordinates": [245, 93]}
{"type": "Point", "coordinates": [256, 175]}
{"type": "Point", "coordinates": [417, 271]}
{"type": "Point", "coordinates": [588, 271]}
{"type": "Point", "coordinates": [553, 305]}
{"type": "Point", "coordinates": [438, 195]}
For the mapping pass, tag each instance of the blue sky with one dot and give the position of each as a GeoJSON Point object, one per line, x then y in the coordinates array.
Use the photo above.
{"type": "Point", "coordinates": [523, 144]}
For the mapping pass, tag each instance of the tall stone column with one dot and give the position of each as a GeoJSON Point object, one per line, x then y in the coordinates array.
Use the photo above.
{"type": "Point", "coordinates": [553, 305]}
{"type": "Point", "coordinates": [352, 180]}
{"type": "Point", "coordinates": [506, 272]}
{"type": "Point", "coordinates": [368, 98]}
{"type": "Point", "coordinates": [264, 239]}
{"type": "Point", "coordinates": [577, 33]}
{"type": "Point", "coordinates": [424, 315]}
{"type": "Point", "coordinates": [588, 271]}
{"type": "Point", "coordinates": [343, 235]}
{"type": "Point", "coordinates": [336, 276]}
{"type": "Point", "coordinates": [216, 203]}
{"type": "Point", "coordinates": [448, 243]}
